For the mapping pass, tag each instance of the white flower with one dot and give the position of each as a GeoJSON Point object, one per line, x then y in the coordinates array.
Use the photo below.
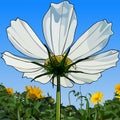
{"type": "Point", "coordinates": [59, 26]}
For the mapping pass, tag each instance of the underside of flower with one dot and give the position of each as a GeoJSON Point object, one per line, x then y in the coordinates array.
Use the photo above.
{"type": "Point", "coordinates": [57, 64]}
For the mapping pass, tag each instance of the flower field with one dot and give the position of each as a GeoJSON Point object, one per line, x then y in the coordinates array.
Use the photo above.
{"type": "Point", "coordinates": [32, 104]}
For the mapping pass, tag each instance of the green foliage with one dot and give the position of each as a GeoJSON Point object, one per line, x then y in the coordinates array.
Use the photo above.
{"type": "Point", "coordinates": [17, 106]}
{"type": "Point", "coordinates": [110, 110]}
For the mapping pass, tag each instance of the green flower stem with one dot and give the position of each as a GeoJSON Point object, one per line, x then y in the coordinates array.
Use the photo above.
{"type": "Point", "coordinates": [18, 114]}
{"type": "Point", "coordinates": [96, 111]}
{"type": "Point", "coordinates": [69, 98]}
{"type": "Point", "coordinates": [58, 99]}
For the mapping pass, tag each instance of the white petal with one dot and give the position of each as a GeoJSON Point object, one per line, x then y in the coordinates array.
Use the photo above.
{"type": "Point", "coordinates": [42, 79]}
{"type": "Point", "coordinates": [98, 63]}
{"type": "Point", "coordinates": [82, 78]}
{"type": "Point", "coordinates": [59, 25]}
{"type": "Point", "coordinates": [21, 64]}
{"type": "Point", "coordinates": [91, 41]}
{"type": "Point", "coordinates": [63, 82]}
{"type": "Point", "coordinates": [25, 40]}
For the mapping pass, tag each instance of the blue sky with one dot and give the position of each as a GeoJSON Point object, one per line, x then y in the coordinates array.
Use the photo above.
{"type": "Point", "coordinates": [88, 12]}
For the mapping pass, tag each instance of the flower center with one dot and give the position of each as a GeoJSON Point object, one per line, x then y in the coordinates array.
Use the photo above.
{"type": "Point", "coordinates": [57, 64]}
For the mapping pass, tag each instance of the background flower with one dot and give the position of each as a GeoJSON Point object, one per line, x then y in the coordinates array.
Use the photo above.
{"type": "Point", "coordinates": [117, 89]}
{"type": "Point", "coordinates": [9, 91]}
{"type": "Point", "coordinates": [96, 97]}
{"type": "Point", "coordinates": [34, 92]}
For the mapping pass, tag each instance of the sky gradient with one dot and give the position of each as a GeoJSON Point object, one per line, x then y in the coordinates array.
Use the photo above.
{"type": "Point", "coordinates": [88, 13]}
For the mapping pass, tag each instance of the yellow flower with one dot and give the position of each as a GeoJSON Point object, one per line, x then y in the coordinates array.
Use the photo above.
{"type": "Point", "coordinates": [9, 90]}
{"type": "Point", "coordinates": [117, 89]}
{"type": "Point", "coordinates": [34, 92]}
{"type": "Point", "coordinates": [96, 97]}
{"type": "Point", "coordinates": [118, 96]}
